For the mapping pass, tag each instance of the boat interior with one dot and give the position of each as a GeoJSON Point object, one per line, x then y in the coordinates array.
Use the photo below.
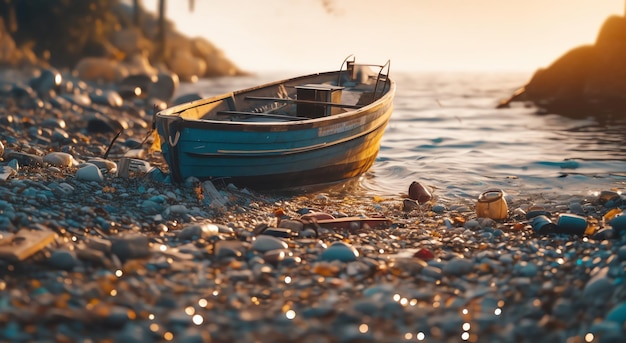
{"type": "Point", "coordinates": [352, 87]}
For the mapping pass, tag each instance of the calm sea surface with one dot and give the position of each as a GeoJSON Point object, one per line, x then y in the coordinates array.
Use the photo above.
{"type": "Point", "coordinates": [446, 133]}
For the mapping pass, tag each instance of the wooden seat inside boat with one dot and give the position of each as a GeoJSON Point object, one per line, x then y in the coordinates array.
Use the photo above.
{"type": "Point", "coordinates": [262, 114]}
{"type": "Point", "coordinates": [297, 101]}
{"type": "Point", "coordinates": [313, 100]}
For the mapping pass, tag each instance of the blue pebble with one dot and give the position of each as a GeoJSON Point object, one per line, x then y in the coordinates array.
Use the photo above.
{"type": "Point", "coordinates": [29, 192]}
{"type": "Point", "coordinates": [339, 251]}
{"type": "Point", "coordinates": [40, 291]}
{"type": "Point", "coordinates": [157, 175]}
{"type": "Point", "coordinates": [11, 330]}
{"type": "Point", "coordinates": [42, 198]}
{"type": "Point", "coordinates": [439, 209]}
{"type": "Point", "coordinates": [103, 223]}
{"type": "Point", "coordinates": [72, 223]}
{"type": "Point", "coordinates": [617, 314]}
{"type": "Point", "coordinates": [5, 223]}
{"type": "Point", "coordinates": [487, 236]}
{"type": "Point", "coordinates": [611, 204]}
{"type": "Point", "coordinates": [158, 199]}
{"type": "Point", "coordinates": [151, 207]}
{"type": "Point", "coordinates": [303, 211]}
{"type": "Point", "coordinates": [7, 209]}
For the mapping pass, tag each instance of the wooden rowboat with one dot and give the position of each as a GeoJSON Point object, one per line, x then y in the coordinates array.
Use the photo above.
{"type": "Point", "coordinates": [308, 130]}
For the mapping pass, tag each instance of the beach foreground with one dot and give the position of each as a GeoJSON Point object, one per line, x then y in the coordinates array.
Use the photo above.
{"type": "Point", "coordinates": [99, 245]}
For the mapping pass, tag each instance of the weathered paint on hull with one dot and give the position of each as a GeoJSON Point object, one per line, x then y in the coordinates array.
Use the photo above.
{"type": "Point", "coordinates": [322, 165]}
{"type": "Point", "coordinates": [333, 164]}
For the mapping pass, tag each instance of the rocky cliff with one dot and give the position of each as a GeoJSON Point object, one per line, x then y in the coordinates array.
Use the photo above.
{"type": "Point", "coordinates": [589, 80]}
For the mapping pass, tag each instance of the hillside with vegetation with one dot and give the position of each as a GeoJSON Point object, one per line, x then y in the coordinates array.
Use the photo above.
{"type": "Point", "coordinates": [102, 39]}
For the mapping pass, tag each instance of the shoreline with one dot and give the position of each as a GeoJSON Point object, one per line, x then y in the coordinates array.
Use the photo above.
{"type": "Point", "coordinates": [139, 259]}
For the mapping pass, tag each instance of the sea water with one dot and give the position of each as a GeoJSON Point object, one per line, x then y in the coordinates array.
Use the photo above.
{"type": "Point", "coordinates": [446, 133]}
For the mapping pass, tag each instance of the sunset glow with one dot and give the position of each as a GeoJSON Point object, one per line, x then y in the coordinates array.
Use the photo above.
{"type": "Point", "coordinates": [415, 35]}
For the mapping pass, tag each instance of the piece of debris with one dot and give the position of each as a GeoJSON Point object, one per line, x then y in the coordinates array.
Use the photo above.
{"type": "Point", "coordinates": [24, 243]}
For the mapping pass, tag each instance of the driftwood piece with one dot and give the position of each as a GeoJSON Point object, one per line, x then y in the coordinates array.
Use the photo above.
{"type": "Point", "coordinates": [25, 243]}
{"type": "Point", "coordinates": [127, 165]}
{"type": "Point", "coordinates": [6, 172]}
{"type": "Point", "coordinates": [213, 196]}
{"type": "Point", "coordinates": [354, 223]}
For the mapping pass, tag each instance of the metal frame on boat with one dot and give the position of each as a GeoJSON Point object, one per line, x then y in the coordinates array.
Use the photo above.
{"type": "Point", "coordinates": [307, 130]}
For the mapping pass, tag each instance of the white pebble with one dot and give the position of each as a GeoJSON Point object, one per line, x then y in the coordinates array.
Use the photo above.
{"type": "Point", "coordinates": [89, 173]}
{"type": "Point", "coordinates": [59, 159]}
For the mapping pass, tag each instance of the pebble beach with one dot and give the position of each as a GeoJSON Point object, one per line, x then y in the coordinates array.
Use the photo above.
{"type": "Point", "coordinates": [94, 249]}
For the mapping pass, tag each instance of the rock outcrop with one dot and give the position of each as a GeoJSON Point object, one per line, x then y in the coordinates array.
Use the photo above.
{"type": "Point", "coordinates": [10, 54]}
{"type": "Point", "coordinates": [100, 68]}
{"type": "Point", "coordinates": [589, 80]}
{"type": "Point", "coordinates": [129, 49]}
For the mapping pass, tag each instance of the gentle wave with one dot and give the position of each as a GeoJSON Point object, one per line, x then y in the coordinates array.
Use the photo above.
{"type": "Point", "coordinates": [447, 133]}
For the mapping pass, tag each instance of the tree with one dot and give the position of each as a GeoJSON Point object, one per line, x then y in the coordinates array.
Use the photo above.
{"type": "Point", "coordinates": [63, 31]}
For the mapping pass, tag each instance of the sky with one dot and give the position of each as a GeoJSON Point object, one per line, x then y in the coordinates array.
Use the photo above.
{"type": "Point", "coordinates": [421, 35]}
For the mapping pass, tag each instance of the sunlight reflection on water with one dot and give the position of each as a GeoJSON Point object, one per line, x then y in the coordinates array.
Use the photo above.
{"type": "Point", "coordinates": [446, 133]}
{"type": "Point", "coordinates": [461, 145]}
